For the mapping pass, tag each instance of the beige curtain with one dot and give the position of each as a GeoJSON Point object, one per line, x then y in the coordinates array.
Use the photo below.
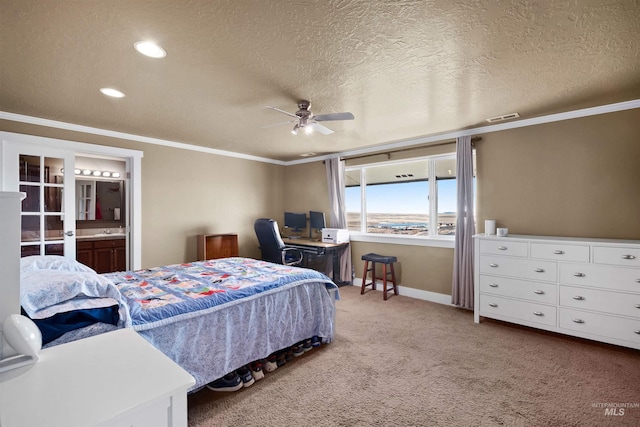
{"type": "Point", "coordinates": [338, 217]}
{"type": "Point", "coordinates": [462, 289]}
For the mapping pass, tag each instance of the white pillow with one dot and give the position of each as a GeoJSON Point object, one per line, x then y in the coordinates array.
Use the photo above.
{"type": "Point", "coordinates": [52, 262]}
{"type": "Point", "coordinates": [43, 288]}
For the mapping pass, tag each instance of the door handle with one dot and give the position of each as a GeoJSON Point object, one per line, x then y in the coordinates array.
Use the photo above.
{"type": "Point", "coordinates": [68, 233]}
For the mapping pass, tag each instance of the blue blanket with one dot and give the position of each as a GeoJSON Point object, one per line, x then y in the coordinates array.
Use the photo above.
{"type": "Point", "coordinates": [163, 295]}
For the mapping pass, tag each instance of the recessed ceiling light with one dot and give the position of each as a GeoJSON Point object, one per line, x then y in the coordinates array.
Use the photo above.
{"type": "Point", "coordinates": [114, 93]}
{"type": "Point", "coordinates": [150, 49]}
{"type": "Point", "coordinates": [307, 154]}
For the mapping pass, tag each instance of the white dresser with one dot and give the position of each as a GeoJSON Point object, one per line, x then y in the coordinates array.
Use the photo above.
{"type": "Point", "coordinates": [588, 288]}
{"type": "Point", "coordinates": [113, 379]}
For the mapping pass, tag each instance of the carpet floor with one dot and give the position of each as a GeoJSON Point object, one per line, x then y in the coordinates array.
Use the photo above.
{"type": "Point", "coordinates": [408, 362]}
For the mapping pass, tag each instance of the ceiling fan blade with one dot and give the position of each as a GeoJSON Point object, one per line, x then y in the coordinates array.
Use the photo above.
{"type": "Point", "coordinates": [279, 124]}
{"type": "Point", "coordinates": [317, 127]}
{"type": "Point", "coordinates": [333, 116]}
{"type": "Point", "coordinates": [282, 111]}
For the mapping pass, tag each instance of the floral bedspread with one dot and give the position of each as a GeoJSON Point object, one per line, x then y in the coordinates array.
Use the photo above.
{"type": "Point", "coordinates": [163, 295]}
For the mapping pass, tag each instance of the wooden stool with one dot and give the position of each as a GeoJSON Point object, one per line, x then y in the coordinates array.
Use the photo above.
{"type": "Point", "coordinates": [385, 261]}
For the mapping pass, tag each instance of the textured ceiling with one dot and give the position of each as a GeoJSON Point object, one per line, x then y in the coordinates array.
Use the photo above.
{"type": "Point", "coordinates": [404, 68]}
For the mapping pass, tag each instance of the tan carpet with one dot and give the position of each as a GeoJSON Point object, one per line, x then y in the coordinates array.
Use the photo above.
{"type": "Point", "coordinates": [407, 362]}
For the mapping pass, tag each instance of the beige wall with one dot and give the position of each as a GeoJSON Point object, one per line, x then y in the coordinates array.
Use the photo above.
{"type": "Point", "coordinates": [573, 178]}
{"type": "Point", "coordinates": [185, 193]}
{"type": "Point", "coordinates": [578, 177]}
{"type": "Point", "coordinates": [305, 189]}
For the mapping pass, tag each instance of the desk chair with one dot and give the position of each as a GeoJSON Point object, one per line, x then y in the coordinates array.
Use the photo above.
{"type": "Point", "coordinates": [271, 245]}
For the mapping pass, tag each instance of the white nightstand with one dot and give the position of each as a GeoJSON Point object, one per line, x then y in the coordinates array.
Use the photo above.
{"type": "Point", "coordinates": [113, 379]}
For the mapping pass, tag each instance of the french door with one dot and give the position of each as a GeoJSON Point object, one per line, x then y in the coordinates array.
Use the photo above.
{"type": "Point", "coordinates": [46, 176]}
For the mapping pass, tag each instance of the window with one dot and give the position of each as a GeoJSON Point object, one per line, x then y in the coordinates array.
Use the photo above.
{"type": "Point", "coordinates": [402, 197]}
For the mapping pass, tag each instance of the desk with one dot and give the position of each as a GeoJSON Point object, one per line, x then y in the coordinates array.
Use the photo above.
{"type": "Point", "coordinates": [320, 248]}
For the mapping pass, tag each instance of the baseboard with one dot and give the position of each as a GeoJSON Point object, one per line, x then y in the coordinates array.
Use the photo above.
{"type": "Point", "coordinates": [412, 292]}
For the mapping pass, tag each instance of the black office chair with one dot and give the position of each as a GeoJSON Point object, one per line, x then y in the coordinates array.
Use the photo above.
{"type": "Point", "coordinates": [271, 244]}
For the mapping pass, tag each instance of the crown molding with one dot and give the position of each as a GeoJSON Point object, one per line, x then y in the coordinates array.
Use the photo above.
{"type": "Point", "coordinates": [585, 112]}
{"type": "Point", "coordinates": [122, 135]}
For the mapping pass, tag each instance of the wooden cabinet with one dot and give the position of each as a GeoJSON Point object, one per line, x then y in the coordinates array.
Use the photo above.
{"type": "Point", "coordinates": [104, 256]}
{"type": "Point", "coordinates": [212, 246]}
{"type": "Point", "coordinates": [84, 252]}
{"type": "Point", "coordinates": [588, 288]}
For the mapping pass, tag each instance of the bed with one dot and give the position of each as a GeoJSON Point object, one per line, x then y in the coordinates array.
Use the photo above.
{"type": "Point", "coordinates": [211, 317]}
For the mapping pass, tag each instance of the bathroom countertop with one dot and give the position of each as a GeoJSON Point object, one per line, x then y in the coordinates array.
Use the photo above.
{"type": "Point", "coordinates": [102, 236]}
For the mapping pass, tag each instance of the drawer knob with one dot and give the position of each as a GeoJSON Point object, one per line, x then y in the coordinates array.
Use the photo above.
{"type": "Point", "coordinates": [628, 257]}
{"type": "Point", "coordinates": [578, 298]}
{"type": "Point", "coordinates": [493, 304]}
{"type": "Point", "coordinates": [494, 265]}
{"type": "Point", "coordinates": [578, 320]}
{"type": "Point", "coordinates": [637, 332]}
{"type": "Point", "coordinates": [539, 270]}
{"type": "Point", "coordinates": [579, 274]}
{"type": "Point", "coordinates": [493, 285]}
{"type": "Point", "coordinates": [558, 252]}
{"type": "Point", "coordinates": [502, 248]}
{"type": "Point", "coordinates": [539, 292]}
{"type": "Point", "coordinates": [637, 306]}
{"type": "Point", "coordinates": [637, 280]}
{"type": "Point", "coordinates": [538, 313]}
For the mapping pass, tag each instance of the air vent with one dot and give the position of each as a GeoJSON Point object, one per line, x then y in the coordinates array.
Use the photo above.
{"type": "Point", "coordinates": [404, 175]}
{"type": "Point", "coordinates": [503, 117]}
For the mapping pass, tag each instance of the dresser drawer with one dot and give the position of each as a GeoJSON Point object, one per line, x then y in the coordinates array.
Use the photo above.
{"type": "Point", "coordinates": [502, 247]}
{"type": "Point", "coordinates": [600, 324]}
{"type": "Point", "coordinates": [541, 292]}
{"type": "Point", "coordinates": [560, 252]}
{"type": "Point", "coordinates": [522, 310]}
{"type": "Point", "coordinates": [617, 256]}
{"type": "Point", "coordinates": [617, 278]}
{"type": "Point", "coordinates": [519, 268]}
{"type": "Point", "coordinates": [600, 300]}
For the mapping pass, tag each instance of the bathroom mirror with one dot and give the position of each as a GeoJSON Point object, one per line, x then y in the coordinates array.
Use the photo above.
{"type": "Point", "coordinates": [99, 201]}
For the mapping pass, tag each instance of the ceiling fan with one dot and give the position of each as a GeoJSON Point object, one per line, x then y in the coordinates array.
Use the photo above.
{"type": "Point", "coordinates": [304, 120]}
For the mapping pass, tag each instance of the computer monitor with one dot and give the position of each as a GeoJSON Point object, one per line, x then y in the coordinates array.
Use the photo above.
{"type": "Point", "coordinates": [316, 222]}
{"type": "Point", "coordinates": [295, 221]}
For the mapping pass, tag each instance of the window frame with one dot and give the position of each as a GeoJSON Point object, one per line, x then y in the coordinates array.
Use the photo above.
{"type": "Point", "coordinates": [433, 239]}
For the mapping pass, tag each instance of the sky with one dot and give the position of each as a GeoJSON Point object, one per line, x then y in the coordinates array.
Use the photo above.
{"type": "Point", "coordinates": [408, 197]}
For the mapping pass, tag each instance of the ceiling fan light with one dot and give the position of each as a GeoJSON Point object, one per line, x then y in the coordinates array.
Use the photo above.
{"type": "Point", "coordinates": [294, 131]}
{"type": "Point", "coordinates": [308, 130]}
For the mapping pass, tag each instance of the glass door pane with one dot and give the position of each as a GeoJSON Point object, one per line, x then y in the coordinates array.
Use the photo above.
{"type": "Point", "coordinates": [46, 176]}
